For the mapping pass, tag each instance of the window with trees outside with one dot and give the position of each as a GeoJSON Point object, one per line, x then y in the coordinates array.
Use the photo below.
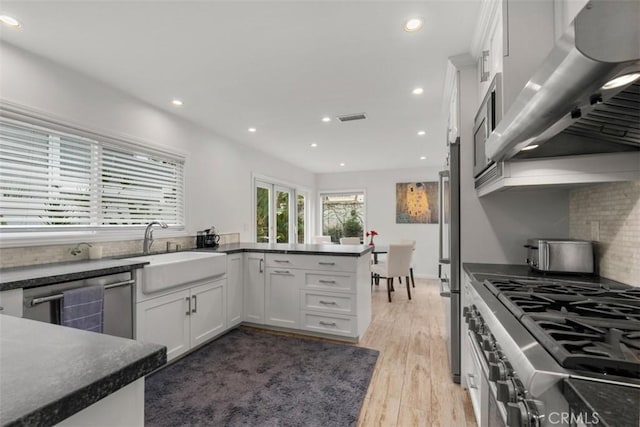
{"type": "Point", "coordinates": [343, 215]}
{"type": "Point", "coordinates": [280, 213]}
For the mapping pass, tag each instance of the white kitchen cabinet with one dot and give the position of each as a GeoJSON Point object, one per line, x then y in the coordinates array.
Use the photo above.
{"type": "Point", "coordinates": [516, 37]}
{"type": "Point", "coordinates": [282, 298]}
{"type": "Point", "coordinates": [11, 302]}
{"type": "Point", "coordinates": [165, 320]}
{"type": "Point", "coordinates": [184, 319]}
{"type": "Point", "coordinates": [253, 294]}
{"type": "Point", "coordinates": [208, 311]}
{"type": "Point", "coordinates": [235, 285]}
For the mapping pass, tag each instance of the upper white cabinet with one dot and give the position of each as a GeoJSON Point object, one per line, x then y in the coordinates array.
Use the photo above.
{"type": "Point", "coordinates": [235, 284]}
{"type": "Point", "coordinates": [514, 37]}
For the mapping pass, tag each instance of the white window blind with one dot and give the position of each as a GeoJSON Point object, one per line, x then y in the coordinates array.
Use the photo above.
{"type": "Point", "coordinates": [51, 179]}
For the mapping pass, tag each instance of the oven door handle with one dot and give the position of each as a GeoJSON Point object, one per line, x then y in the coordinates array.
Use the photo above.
{"type": "Point", "coordinates": [477, 354]}
{"type": "Point", "coordinates": [445, 288]}
{"type": "Point", "coordinates": [56, 297]}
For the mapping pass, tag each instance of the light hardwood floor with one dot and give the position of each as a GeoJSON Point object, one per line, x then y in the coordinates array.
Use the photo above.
{"type": "Point", "coordinates": [411, 384]}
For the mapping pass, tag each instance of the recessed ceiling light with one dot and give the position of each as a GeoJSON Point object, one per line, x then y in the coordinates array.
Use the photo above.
{"type": "Point", "coordinates": [314, 145]}
{"type": "Point", "coordinates": [530, 147]}
{"type": "Point", "coordinates": [251, 129]}
{"type": "Point", "coordinates": [621, 80]}
{"type": "Point", "coordinates": [326, 119]}
{"type": "Point", "coordinates": [421, 133]}
{"type": "Point", "coordinates": [10, 21]}
{"type": "Point", "coordinates": [341, 164]}
{"type": "Point", "coordinates": [418, 91]}
{"type": "Point", "coordinates": [413, 24]}
{"type": "Point", "coordinates": [423, 157]}
{"type": "Point", "coordinates": [177, 102]}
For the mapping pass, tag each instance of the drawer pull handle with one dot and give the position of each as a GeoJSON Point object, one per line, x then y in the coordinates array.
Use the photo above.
{"type": "Point", "coordinates": [282, 260]}
{"type": "Point", "coordinates": [327, 281]}
{"type": "Point", "coordinates": [281, 271]}
{"type": "Point", "coordinates": [326, 263]}
{"type": "Point", "coordinates": [328, 302]}
{"type": "Point", "coordinates": [323, 323]}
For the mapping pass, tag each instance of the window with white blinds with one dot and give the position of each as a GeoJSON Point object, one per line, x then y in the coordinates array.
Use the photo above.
{"type": "Point", "coordinates": [53, 180]}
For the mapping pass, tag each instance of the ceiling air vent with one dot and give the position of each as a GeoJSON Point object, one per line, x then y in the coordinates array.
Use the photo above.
{"type": "Point", "coordinates": [351, 117]}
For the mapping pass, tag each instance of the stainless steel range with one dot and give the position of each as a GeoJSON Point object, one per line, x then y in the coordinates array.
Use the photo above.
{"type": "Point", "coordinates": [525, 336]}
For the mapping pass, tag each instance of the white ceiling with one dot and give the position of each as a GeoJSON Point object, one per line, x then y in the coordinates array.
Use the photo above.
{"type": "Point", "coordinates": [276, 66]}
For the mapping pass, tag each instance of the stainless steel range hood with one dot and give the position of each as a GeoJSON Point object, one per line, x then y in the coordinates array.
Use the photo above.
{"type": "Point", "coordinates": [564, 108]}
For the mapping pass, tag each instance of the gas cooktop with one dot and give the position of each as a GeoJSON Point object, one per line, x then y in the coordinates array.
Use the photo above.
{"type": "Point", "coordinates": [586, 327]}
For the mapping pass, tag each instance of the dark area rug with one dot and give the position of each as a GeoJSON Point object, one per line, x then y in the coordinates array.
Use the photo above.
{"type": "Point", "coordinates": [253, 378]}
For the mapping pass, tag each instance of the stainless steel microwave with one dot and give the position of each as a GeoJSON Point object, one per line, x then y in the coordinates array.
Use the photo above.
{"type": "Point", "coordinates": [488, 117]}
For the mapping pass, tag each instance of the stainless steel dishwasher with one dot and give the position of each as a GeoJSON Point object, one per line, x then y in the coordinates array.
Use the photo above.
{"type": "Point", "coordinates": [43, 303]}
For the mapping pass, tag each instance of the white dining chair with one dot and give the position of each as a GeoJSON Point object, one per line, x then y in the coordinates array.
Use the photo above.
{"type": "Point", "coordinates": [319, 240]}
{"type": "Point", "coordinates": [349, 240]}
{"type": "Point", "coordinates": [413, 243]}
{"type": "Point", "coordinates": [397, 265]}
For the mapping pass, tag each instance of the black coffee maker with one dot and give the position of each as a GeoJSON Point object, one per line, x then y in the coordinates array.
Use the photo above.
{"type": "Point", "coordinates": [207, 238]}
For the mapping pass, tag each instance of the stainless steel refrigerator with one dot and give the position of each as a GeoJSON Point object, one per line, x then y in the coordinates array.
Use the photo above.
{"type": "Point", "coordinates": [449, 254]}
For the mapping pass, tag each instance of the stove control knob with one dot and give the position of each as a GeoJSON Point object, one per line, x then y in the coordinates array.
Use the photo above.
{"type": "Point", "coordinates": [517, 414]}
{"type": "Point", "coordinates": [497, 371]}
{"type": "Point", "coordinates": [525, 413]}
{"type": "Point", "coordinates": [487, 342]}
{"type": "Point", "coordinates": [506, 391]}
{"type": "Point", "coordinates": [492, 356]}
{"type": "Point", "coordinates": [473, 324]}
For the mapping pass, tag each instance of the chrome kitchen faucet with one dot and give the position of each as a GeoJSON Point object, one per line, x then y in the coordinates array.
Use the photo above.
{"type": "Point", "coordinates": [148, 236]}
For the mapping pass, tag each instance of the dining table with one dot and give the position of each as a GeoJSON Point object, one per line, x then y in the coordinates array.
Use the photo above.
{"type": "Point", "coordinates": [379, 249]}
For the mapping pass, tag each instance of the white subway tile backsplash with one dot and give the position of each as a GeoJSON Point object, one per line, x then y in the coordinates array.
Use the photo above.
{"type": "Point", "coordinates": [616, 209]}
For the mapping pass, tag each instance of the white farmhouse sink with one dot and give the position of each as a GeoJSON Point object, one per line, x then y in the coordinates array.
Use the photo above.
{"type": "Point", "coordinates": [177, 268]}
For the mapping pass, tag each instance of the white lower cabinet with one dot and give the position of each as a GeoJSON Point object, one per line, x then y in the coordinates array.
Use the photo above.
{"type": "Point", "coordinates": [235, 284]}
{"type": "Point", "coordinates": [282, 305]}
{"type": "Point", "coordinates": [183, 319]}
{"type": "Point", "coordinates": [208, 311]}
{"type": "Point", "coordinates": [253, 288]}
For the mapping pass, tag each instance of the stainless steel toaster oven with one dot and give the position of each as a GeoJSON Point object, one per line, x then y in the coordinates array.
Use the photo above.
{"type": "Point", "coordinates": [560, 255]}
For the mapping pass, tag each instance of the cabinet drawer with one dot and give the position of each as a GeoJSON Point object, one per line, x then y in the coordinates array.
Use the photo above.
{"type": "Point", "coordinates": [329, 282]}
{"type": "Point", "coordinates": [312, 262]}
{"type": "Point", "coordinates": [329, 324]}
{"type": "Point", "coordinates": [324, 301]}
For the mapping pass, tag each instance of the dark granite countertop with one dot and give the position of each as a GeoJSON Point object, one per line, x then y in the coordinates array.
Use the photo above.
{"type": "Point", "coordinates": [612, 405]}
{"type": "Point", "coordinates": [285, 248]}
{"type": "Point", "coordinates": [482, 271]}
{"type": "Point", "coordinates": [50, 372]}
{"type": "Point", "coordinates": [45, 274]}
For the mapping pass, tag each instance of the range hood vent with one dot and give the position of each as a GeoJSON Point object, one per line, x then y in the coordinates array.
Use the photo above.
{"type": "Point", "coordinates": [352, 117]}
{"type": "Point", "coordinates": [564, 108]}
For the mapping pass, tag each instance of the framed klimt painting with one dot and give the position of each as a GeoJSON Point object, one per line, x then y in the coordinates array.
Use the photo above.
{"type": "Point", "coordinates": [417, 203]}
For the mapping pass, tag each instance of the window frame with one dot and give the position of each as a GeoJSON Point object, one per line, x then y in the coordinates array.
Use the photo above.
{"type": "Point", "coordinates": [280, 185]}
{"type": "Point", "coordinates": [38, 235]}
{"type": "Point", "coordinates": [319, 216]}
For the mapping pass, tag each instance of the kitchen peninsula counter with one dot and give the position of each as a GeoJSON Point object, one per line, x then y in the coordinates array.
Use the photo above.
{"type": "Point", "coordinates": [49, 373]}
{"type": "Point", "coordinates": [293, 248]}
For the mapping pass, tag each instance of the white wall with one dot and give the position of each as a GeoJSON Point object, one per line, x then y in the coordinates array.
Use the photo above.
{"type": "Point", "coordinates": [495, 228]}
{"type": "Point", "coordinates": [218, 180]}
{"type": "Point", "coordinates": [380, 187]}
